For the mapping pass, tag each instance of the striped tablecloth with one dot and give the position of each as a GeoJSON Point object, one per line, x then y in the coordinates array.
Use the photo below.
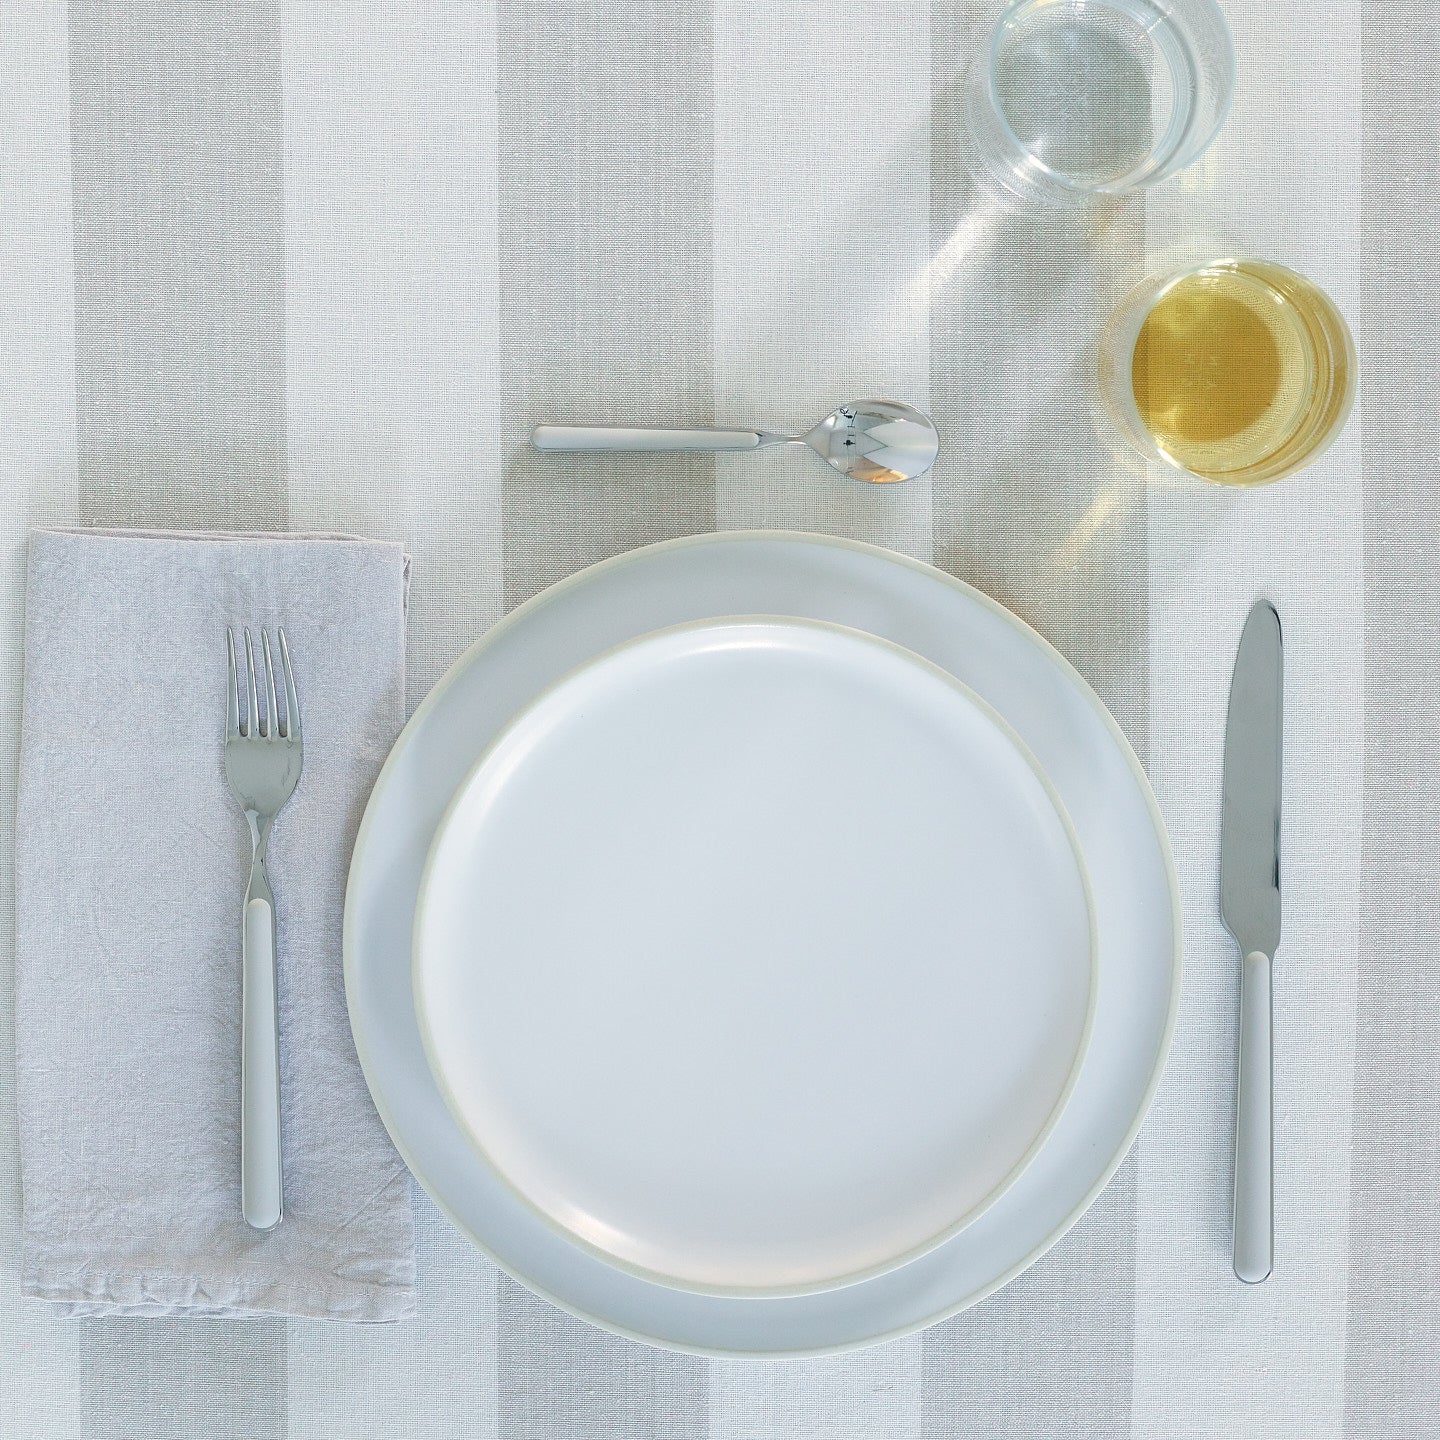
{"type": "Point", "coordinates": [311, 264]}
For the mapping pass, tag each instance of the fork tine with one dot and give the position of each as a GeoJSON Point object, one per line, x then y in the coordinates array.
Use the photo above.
{"type": "Point", "coordinates": [292, 702]}
{"type": "Point", "coordinates": [272, 719]}
{"type": "Point", "coordinates": [252, 728]}
{"type": "Point", "coordinates": [232, 693]}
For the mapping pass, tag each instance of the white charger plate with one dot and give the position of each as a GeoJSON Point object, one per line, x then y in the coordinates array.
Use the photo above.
{"type": "Point", "coordinates": [756, 955]}
{"type": "Point", "coordinates": [1040, 695]}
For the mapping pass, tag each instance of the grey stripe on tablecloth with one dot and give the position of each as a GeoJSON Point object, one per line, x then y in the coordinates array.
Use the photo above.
{"type": "Point", "coordinates": [605, 222]}
{"type": "Point", "coordinates": [605, 284]}
{"type": "Point", "coordinates": [1032, 510]}
{"type": "Point", "coordinates": [179, 269]}
{"type": "Point", "coordinates": [179, 319]}
{"type": "Point", "coordinates": [1393, 1338]}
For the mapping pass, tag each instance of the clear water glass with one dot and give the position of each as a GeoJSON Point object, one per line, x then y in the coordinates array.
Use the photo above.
{"type": "Point", "coordinates": [1076, 99]}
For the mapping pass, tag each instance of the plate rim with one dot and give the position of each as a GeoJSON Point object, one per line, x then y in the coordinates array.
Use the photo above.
{"type": "Point", "coordinates": [1007, 733]}
{"type": "Point", "coordinates": [546, 596]}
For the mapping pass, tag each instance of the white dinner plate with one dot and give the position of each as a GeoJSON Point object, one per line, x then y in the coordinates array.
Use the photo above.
{"type": "Point", "coordinates": [1041, 697]}
{"type": "Point", "coordinates": [756, 955]}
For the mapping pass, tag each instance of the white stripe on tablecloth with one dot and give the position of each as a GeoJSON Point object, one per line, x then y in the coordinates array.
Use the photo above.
{"type": "Point", "coordinates": [431, 1375]}
{"type": "Point", "coordinates": [392, 347]}
{"type": "Point", "coordinates": [820, 260]}
{"type": "Point", "coordinates": [872, 1393]}
{"type": "Point", "coordinates": [40, 1394]}
{"type": "Point", "coordinates": [822, 124]}
{"type": "Point", "coordinates": [1273, 1355]}
{"type": "Point", "coordinates": [393, 387]}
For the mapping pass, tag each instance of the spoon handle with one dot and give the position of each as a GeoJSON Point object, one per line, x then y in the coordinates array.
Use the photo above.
{"type": "Point", "coordinates": [639, 437]}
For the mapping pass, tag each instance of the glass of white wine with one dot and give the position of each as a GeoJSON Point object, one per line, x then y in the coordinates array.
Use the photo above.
{"type": "Point", "coordinates": [1238, 371]}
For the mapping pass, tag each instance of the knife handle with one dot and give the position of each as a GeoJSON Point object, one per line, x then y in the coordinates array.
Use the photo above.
{"type": "Point", "coordinates": [1254, 1137]}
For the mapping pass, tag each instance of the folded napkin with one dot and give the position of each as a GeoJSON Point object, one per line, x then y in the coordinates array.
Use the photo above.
{"type": "Point", "coordinates": [131, 863]}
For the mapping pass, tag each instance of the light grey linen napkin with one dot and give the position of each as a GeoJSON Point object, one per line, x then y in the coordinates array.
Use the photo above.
{"type": "Point", "coordinates": [131, 864]}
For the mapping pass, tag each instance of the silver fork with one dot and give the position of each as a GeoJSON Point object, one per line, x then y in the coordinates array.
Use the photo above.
{"type": "Point", "coordinates": [262, 764]}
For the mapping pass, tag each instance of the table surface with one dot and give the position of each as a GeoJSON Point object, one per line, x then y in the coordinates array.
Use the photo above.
{"type": "Point", "coordinates": [279, 264]}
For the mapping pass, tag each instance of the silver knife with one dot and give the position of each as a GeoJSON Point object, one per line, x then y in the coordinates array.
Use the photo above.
{"type": "Point", "coordinates": [1250, 907]}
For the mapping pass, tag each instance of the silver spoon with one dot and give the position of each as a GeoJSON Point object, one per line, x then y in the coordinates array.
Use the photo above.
{"type": "Point", "coordinates": [877, 440]}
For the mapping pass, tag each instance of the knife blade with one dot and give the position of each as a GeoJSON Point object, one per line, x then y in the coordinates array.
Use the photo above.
{"type": "Point", "coordinates": [1250, 908]}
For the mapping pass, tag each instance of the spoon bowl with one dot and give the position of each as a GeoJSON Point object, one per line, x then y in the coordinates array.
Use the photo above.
{"type": "Point", "coordinates": [880, 441]}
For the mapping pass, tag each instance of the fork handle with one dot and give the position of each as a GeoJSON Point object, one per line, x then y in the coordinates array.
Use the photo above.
{"type": "Point", "coordinates": [261, 1188]}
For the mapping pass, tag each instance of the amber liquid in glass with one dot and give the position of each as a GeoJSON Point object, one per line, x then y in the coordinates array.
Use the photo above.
{"type": "Point", "coordinates": [1242, 371]}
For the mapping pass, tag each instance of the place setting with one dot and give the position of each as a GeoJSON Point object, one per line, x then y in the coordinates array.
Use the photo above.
{"type": "Point", "coordinates": [759, 943]}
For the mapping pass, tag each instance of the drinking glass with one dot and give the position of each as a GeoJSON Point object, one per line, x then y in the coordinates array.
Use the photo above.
{"type": "Point", "coordinates": [1236, 370]}
{"type": "Point", "coordinates": [1076, 99]}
